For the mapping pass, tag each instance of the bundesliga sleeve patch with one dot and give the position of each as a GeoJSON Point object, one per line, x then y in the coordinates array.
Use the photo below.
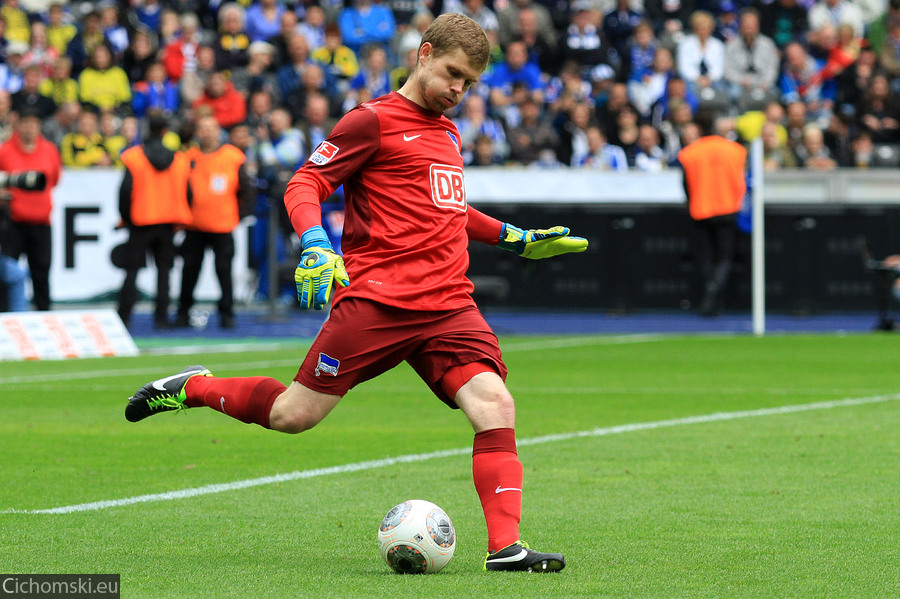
{"type": "Point", "coordinates": [324, 153]}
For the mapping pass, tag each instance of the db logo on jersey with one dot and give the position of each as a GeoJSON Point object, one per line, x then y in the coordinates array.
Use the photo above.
{"type": "Point", "coordinates": [448, 188]}
{"type": "Point", "coordinates": [325, 152]}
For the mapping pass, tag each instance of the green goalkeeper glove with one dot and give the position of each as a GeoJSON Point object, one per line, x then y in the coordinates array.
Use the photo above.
{"type": "Point", "coordinates": [319, 269]}
{"type": "Point", "coordinates": [540, 243]}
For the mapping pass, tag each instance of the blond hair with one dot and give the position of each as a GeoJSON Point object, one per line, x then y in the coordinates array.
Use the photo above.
{"type": "Point", "coordinates": [451, 31]}
{"type": "Point", "coordinates": [702, 16]}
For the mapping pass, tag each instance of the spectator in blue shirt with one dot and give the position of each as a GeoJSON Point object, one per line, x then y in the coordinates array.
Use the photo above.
{"type": "Point", "coordinates": [677, 92]}
{"type": "Point", "coordinates": [12, 282]}
{"type": "Point", "coordinates": [290, 75]}
{"type": "Point", "coordinates": [649, 156]}
{"type": "Point", "coordinates": [475, 122]}
{"type": "Point", "coordinates": [264, 20]}
{"type": "Point", "coordinates": [364, 23]}
{"type": "Point", "coordinates": [797, 82]}
{"type": "Point", "coordinates": [155, 93]}
{"type": "Point", "coordinates": [602, 155]}
{"type": "Point", "coordinates": [514, 68]}
{"type": "Point", "coordinates": [148, 14]}
{"type": "Point", "coordinates": [115, 34]}
{"type": "Point", "coordinates": [372, 81]}
{"type": "Point", "coordinates": [728, 22]}
{"type": "Point", "coordinates": [640, 51]}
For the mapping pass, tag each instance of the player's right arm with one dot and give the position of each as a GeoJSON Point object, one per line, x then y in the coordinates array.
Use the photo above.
{"type": "Point", "coordinates": [355, 138]}
{"type": "Point", "coordinates": [320, 266]}
{"type": "Point", "coordinates": [352, 142]}
{"type": "Point", "coordinates": [303, 198]}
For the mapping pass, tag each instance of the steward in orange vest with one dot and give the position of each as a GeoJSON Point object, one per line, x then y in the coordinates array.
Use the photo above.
{"type": "Point", "coordinates": [221, 195]}
{"type": "Point", "coordinates": [153, 200]}
{"type": "Point", "coordinates": [715, 185]}
{"type": "Point", "coordinates": [713, 176]}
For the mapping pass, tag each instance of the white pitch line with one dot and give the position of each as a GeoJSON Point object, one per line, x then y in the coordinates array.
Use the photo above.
{"type": "Point", "coordinates": [422, 457]}
{"type": "Point", "coordinates": [143, 370]}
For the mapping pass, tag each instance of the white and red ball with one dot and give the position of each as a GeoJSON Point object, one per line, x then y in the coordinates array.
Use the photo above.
{"type": "Point", "coordinates": [416, 537]}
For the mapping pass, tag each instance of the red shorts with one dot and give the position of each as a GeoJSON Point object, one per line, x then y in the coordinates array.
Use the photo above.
{"type": "Point", "coordinates": [362, 339]}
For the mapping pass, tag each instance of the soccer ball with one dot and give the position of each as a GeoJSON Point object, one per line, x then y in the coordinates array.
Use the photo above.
{"type": "Point", "coordinates": [416, 537]}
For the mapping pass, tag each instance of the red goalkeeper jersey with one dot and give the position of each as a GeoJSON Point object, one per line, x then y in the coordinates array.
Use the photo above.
{"type": "Point", "coordinates": [405, 240]}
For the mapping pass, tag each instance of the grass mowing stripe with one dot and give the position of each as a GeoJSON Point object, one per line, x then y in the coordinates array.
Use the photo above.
{"type": "Point", "coordinates": [421, 457]}
{"type": "Point", "coordinates": [221, 348]}
{"type": "Point", "coordinates": [295, 361]}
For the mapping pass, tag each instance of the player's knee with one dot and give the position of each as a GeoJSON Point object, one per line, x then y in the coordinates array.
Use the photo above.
{"type": "Point", "coordinates": [504, 403]}
{"type": "Point", "coordinates": [299, 409]}
{"type": "Point", "coordinates": [493, 391]}
{"type": "Point", "coordinates": [497, 406]}
{"type": "Point", "coordinates": [293, 422]}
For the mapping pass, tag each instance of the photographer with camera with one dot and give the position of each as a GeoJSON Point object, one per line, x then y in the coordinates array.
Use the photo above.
{"type": "Point", "coordinates": [30, 199]}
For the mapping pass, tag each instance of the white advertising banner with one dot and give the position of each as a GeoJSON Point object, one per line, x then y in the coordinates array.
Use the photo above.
{"type": "Point", "coordinates": [575, 186]}
{"type": "Point", "coordinates": [84, 219]}
{"type": "Point", "coordinates": [63, 334]}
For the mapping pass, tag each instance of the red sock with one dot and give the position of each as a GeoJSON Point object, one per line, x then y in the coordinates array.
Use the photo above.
{"type": "Point", "coordinates": [249, 399]}
{"type": "Point", "coordinates": [498, 480]}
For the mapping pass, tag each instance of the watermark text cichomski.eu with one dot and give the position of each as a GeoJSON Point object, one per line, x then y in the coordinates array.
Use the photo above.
{"type": "Point", "coordinates": [59, 586]}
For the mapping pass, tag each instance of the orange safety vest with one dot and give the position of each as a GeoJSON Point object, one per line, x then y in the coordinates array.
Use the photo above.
{"type": "Point", "coordinates": [158, 197]}
{"type": "Point", "coordinates": [214, 185]}
{"type": "Point", "coordinates": [714, 174]}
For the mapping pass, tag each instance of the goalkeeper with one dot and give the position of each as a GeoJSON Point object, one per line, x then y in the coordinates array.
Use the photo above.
{"type": "Point", "coordinates": [400, 292]}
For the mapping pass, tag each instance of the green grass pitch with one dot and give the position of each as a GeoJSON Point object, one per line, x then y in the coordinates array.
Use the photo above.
{"type": "Point", "coordinates": [745, 500]}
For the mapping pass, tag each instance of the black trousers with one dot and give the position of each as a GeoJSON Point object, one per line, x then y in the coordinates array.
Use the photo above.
{"type": "Point", "coordinates": [193, 249]}
{"type": "Point", "coordinates": [716, 243]}
{"type": "Point", "coordinates": [157, 239]}
{"type": "Point", "coordinates": [33, 241]}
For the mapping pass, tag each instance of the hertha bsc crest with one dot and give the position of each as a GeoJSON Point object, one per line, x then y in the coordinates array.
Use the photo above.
{"type": "Point", "coordinates": [454, 140]}
{"type": "Point", "coordinates": [327, 364]}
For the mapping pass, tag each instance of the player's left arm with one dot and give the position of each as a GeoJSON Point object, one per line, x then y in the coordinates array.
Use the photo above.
{"type": "Point", "coordinates": [532, 243]}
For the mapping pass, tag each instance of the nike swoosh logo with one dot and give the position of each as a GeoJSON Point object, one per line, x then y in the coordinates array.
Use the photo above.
{"type": "Point", "coordinates": [512, 558]}
{"type": "Point", "coordinates": [222, 403]}
{"type": "Point", "coordinates": [500, 489]}
{"type": "Point", "coordinates": [160, 384]}
{"type": "Point", "coordinates": [410, 137]}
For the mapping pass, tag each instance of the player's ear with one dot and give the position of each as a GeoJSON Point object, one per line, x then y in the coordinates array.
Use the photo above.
{"type": "Point", "coordinates": [426, 52]}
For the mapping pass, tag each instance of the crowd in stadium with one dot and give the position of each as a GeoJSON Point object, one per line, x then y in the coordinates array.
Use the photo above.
{"type": "Point", "coordinates": [600, 84]}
